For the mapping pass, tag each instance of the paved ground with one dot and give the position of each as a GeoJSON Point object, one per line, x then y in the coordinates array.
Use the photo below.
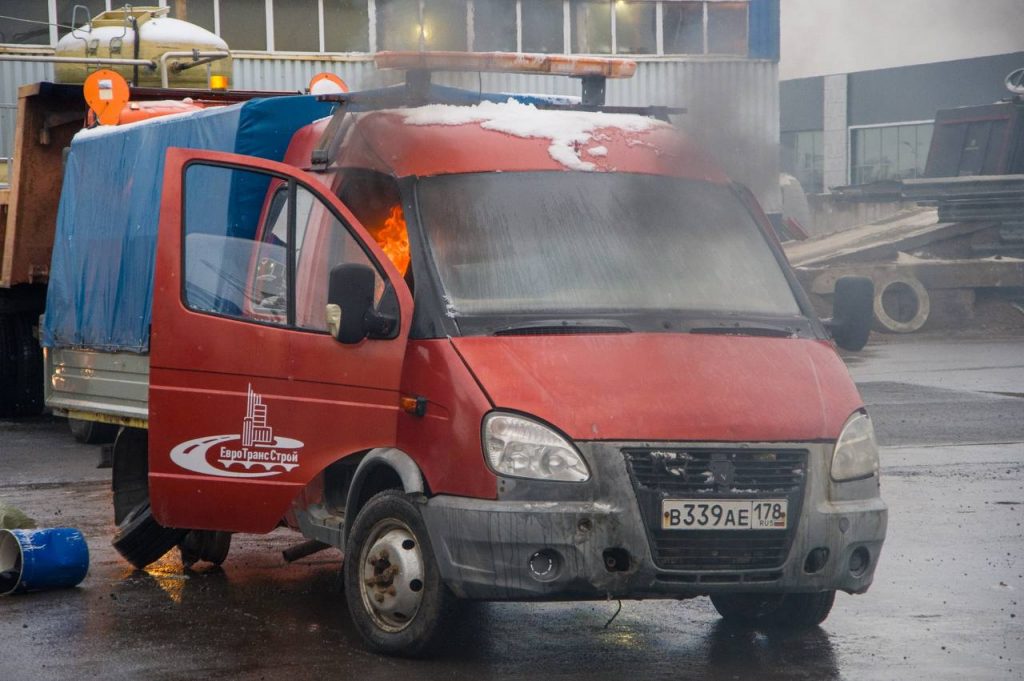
{"type": "Point", "coordinates": [946, 602]}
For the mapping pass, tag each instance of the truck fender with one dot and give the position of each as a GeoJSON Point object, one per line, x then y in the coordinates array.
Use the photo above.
{"type": "Point", "coordinates": [395, 459]}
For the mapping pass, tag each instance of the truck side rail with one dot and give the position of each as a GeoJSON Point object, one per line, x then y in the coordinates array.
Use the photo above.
{"type": "Point", "coordinates": [111, 387]}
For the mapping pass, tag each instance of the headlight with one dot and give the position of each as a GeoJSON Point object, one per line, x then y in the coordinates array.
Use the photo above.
{"type": "Point", "coordinates": [856, 453]}
{"type": "Point", "coordinates": [522, 448]}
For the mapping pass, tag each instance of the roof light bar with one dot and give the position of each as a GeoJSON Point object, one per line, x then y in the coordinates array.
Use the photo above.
{"type": "Point", "coordinates": [508, 62]}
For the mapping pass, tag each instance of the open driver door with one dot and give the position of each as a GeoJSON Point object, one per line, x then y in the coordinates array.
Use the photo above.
{"type": "Point", "coordinates": [251, 394]}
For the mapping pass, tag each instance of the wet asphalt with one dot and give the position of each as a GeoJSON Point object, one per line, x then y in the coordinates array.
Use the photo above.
{"type": "Point", "coordinates": [946, 603]}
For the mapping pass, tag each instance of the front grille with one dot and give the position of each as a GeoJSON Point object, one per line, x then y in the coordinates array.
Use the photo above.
{"type": "Point", "coordinates": [720, 578]}
{"type": "Point", "coordinates": [692, 472]}
{"type": "Point", "coordinates": [659, 474]}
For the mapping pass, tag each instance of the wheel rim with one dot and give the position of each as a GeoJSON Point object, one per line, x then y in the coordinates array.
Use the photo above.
{"type": "Point", "coordinates": [391, 575]}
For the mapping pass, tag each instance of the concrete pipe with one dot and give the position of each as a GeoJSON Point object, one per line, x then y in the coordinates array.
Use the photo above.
{"type": "Point", "coordinates": [907, 288]}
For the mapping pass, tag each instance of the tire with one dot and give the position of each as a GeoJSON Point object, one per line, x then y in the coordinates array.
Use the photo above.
{"type": "Point", "coordinates": [130, 471]}
{"type": "Point", "coordinates": [204, 545]}
{"type": "Point", "coordinates": [8, 365]}
{"type": "Point", "coordinates": [786, 611]}
{"type": "Point", "coordinates": [92, 432]}
{"type": "Point", "coordinates": [28, 385]}
{"type": "Point", "coordinates": [141, 540]}
{"type": "Point", "coordinates": [381, 590]}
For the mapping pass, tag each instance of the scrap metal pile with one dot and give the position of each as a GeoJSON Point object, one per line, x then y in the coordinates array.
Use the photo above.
{"type": "Point", "coordinates": [963, 243]}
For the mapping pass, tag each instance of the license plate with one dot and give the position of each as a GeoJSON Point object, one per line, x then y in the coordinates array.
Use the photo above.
{"type": "Point", "coordinates": [738, 514]}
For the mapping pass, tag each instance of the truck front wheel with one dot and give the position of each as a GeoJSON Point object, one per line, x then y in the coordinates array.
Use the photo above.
{"type": "Point", "coordinates": [794, 611]}
{"type": "Point", "coordinates": [204, 545]}
{"type": "Point", "coordinates": [141, 540]}
{"type": "Point", "coordinates": [394, 590]}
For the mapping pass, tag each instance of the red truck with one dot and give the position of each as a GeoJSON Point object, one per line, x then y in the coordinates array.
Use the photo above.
{"type": "Point", "coordinates": [490, 347]}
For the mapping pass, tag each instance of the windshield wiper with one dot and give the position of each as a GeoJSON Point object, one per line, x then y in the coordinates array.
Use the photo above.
{"type": "Point", "coordinates": [746, 330]}
{"type": "Point", "coordinates": [564, 327]}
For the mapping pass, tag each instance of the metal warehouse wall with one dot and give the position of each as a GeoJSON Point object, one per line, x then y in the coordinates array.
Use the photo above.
{"type": "Point", "coordinates": [915, 93]}
{"type": "Point", "coordinates": [732, 104]}
{"type": "Point", "coordinates": [802, 104]}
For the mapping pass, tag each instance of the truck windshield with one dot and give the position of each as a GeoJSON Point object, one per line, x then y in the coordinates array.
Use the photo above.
{"type": "Point", "coordinates": [577, 242]}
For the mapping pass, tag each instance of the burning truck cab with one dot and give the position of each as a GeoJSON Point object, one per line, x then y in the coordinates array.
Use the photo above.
{"type": "Point", "coordinates": [501, 348]}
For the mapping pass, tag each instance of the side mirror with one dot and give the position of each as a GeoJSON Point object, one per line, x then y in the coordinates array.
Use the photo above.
{"type": "Point", "coordinates": [350, 312]}
{"type": "Point", "coordinates": [852, 312]}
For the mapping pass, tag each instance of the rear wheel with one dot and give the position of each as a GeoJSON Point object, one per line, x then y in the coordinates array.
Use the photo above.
{"type": "Point", "coordinates": [793, 611]}
{"type": "Point", "coordinates": [92, 432]}
{"type": "Point", "coordinates": [28, 384]}
{"type": "Point", "coordinates": [394, 590]}
{"type": "Point", "coordinates": [8, 365]}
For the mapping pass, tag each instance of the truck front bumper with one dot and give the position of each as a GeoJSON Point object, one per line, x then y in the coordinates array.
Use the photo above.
{"type": "Point", "coordinates": [571, 541]}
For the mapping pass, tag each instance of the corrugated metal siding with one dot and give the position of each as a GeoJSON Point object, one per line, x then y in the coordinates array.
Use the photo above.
{"type": "Point", "coordinates": [733, 110]}
{"type": "Point", "coordinates": [294, 74]}
{"type": "Point", "coordinates": [14, 74]}
{"type": "Point", "coordinates": [732, 105]}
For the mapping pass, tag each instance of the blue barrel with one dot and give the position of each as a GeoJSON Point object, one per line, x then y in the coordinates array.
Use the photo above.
{"type": "Point", "coordinates": [33, 560]}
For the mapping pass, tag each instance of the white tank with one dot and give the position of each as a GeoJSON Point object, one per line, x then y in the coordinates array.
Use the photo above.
{"type": "Point", "coordinates": [111, 36]}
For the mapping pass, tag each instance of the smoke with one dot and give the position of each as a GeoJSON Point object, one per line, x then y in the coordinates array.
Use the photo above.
{"type": "Point", "coordinates": [821, 37]}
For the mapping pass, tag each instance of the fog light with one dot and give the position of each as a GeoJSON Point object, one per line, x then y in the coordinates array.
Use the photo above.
{"type": "Point", "coordinates": [544, 565]}
{"type": "Point", "coordinates": [860, 559]}
{"type": "Point", "coordinates": [616, 560]}
{"type": "Point", "coordinates": [816, 560]}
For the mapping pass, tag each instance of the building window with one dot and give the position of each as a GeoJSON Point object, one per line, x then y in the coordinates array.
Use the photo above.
{"type": "Point", "coordinates": [542, 26]}
{"type": "Point", "coordinates": [398, 25]}
{"type": "Point", "coordinates": [444, 25]}
{"type": "Point", "coordinates": [711, 27]}
{"type": "Point", "coordinates": [32, 25]}
{"type": "Point", "coordinates": [636, 30]}
{"type": "Point", "coordinates": [243, 24]}
{"type": "Point", "coordinates": [198, 12]}
{"type": "Point", "coordinates": [803, 157]}
{"type": "Point", "coordinates": [892, 152]}
{"type": "Point", "coordinates": [683, 26]}
{"type": "Point", "coordinates": [494, 26]}
{"type": "Point", "coordinates": [346, 26]}
{"type": "Point", "coordinates": [641, 27]}
{"type": "Point", "coordinates": [727, 28]}
{"type": "Point", "coordinates": [415, 25]}
{"type": "Point", "coordinates": [297, 25]}
{"type": "Point", "coordinates": [591, 26]}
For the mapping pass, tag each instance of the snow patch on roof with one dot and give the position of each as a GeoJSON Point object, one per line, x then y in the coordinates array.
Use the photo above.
{"type": "Point", "coordinates": [598, 151]}
{"type": "Point", "coordinates": [567, 131]}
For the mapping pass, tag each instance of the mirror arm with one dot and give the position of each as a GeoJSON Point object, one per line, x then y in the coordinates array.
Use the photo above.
{"type": "Point", "coordinates": [379, 325]}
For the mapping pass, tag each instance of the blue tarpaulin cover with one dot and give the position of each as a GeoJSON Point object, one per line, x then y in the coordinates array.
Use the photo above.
{"type": "Point", "coordinates": [100, 294]}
